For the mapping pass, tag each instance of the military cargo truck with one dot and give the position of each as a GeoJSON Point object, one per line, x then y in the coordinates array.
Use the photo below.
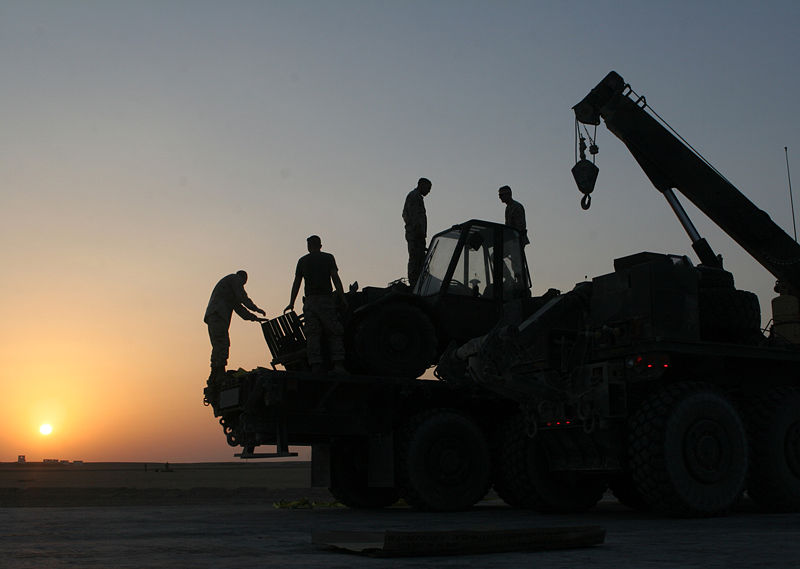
{"type": "Point", "coordinates": [655, 380]}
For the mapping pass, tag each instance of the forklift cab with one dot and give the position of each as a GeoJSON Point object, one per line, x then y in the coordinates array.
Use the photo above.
{"type": "Point", "coordinates": [470, 272]}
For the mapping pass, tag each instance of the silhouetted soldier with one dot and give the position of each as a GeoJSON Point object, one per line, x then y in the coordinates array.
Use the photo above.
{"type": "Point", "coordinates": [416, 228]}
{"type": "Point", "coordinates": [515, 214]}
{"type": "Point", "coordinates": [228, 296]}
{"type": "Point", "coordinates": [318, 270]}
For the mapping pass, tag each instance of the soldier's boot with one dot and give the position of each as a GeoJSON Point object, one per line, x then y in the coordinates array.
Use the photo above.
{"type": "Point", "coordinates": [211, 390]}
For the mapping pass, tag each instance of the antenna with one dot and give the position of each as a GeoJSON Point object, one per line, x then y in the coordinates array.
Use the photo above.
{"type": "Point", "coordinates": [791, 201]}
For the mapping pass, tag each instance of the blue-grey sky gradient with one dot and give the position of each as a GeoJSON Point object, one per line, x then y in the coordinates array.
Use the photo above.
{"type": "Point", "coordinates": [150, 147]}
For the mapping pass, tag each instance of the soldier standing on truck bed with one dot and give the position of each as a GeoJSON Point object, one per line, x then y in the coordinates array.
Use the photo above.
{"type": "Point", "coordinates": [318, 270]}
{"type": "Point", "coordinates": [515, 214]}
{"type": "Point", "coordinates": [228, 296]}
{"type": "Point", "coordinates": [416, 228]}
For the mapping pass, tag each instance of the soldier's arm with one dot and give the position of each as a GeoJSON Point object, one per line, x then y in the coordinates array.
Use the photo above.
{"type": "Point", "coordinates": [295, 289]}
{"type": "Point", "coordinates": [417, 217]}
{"type": "Point", "coordinates": [337, 282]}
{"type": "Point", "coordinates": [243, 299]}
{"type": "Point", "coordinates": [518, 217]}
{"type": "Point", "coordinates": [244, 313]}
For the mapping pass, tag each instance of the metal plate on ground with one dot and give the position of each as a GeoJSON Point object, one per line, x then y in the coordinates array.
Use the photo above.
{"type": "Point", "coordinates": [458, 542]}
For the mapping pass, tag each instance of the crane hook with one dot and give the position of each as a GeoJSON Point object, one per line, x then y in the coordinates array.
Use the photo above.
{"type": "Point", "coordinates": [585, 172]}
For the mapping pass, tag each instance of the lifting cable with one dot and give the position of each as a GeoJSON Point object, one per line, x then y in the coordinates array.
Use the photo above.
{"type": "Point", "coordinates": [641, 101]}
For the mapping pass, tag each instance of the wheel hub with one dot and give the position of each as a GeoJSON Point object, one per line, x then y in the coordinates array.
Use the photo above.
{"type": "Point", "coordinates": [707, 451]}
{"type": "Point", "coordinates": [398, 342]}
{"type": "Point", "coordinates": [449, 463]}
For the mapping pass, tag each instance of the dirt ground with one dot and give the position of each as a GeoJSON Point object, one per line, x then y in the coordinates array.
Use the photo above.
{"type": "Point", "coordinates": [129, 483]}
{"type": "Point", "coordinates": [260, 535]}
{"type": "Point", "coordinates": [225, 515]}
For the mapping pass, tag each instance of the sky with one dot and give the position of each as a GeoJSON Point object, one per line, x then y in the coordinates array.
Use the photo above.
{"type": "Point", "coordinates": [149, 148]}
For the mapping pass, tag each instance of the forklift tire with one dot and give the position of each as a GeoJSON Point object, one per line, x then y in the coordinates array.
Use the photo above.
{"type": "Point", "coordinates": [729, 315]}
{"type": "Point", "coordinates": [396, 340]}
{"type": "Point", "coordinates": [688, 451]}
{"type": "Point", "coordinates": [712, 277]}
{"type": "Point", "coordinates": [773, 423]}
{"type": "Point", "coordinates": [349, 478]}
{"type": "Point", "coordinates": [523, 479]}
{"type": "Point", "coordinates": [443, 461]}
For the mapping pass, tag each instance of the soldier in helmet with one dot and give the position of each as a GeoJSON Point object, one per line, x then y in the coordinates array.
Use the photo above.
{"type": "Point", "coordinates": [227, 297]}
{"type": "Point", "coordinates": [416, 223]}
{"type": "Point", "coordinates": [319, 270]}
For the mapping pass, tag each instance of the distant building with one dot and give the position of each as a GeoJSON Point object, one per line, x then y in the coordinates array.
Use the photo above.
{"type": "Point", "coordinates": [50, 461]}
{"type": "Point", "coordinates": [21, 459]}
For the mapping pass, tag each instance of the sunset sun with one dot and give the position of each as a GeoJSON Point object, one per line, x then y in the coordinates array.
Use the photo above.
{"type": "Point", "coordinates": [46, 429]}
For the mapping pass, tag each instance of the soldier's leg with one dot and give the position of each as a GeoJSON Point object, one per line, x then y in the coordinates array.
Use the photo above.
{"type": "Point", "coordinates": [313, 329]}
{"type": "Point", "coordinates": [220, 344]}
{"type": "Point", "coordinates": [416, 258]}
{"type": "Point", "coordinates": [412, 273]}
{"type": "Point", "coordinates": [333, 329]}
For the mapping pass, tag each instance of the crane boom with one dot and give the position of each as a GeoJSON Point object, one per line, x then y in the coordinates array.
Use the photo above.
{"type": "Point", "coordinates": [669, 163]}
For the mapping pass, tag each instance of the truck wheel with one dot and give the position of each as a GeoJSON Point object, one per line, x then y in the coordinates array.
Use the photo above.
{"type": "Point", "coordinates": [397, 340]}
{"type": "Point", "coordinates": [523, 479]}
{"type": "Point", "coordinates": [688, 451]}
{"type": "Point", "coordinates": [728, 315]}
{"type": "Point", "coordinates": [443, 461]}
{"type": "Point", "coordinates": [774, 427]}
{"type": "Point", "coordinates": [349, 478]}
{"type": "Point", "coordinates": [712, 277]}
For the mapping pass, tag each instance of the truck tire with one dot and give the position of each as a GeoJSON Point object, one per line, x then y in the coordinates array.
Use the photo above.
{"type": "Point", "coordinates": [712, 277]}
{"type": "Point", "coordinates": [688, 451]}
{"type": "Point", "coordinates": [773, 422]}
{"type": "Point", "coordinates": [443, 461]}
{"type": "Point", "coordinates": [396, 340]}
{"type": "Point", "coordinates": [349, 477]}
{"type": "Point", "coordinates": [729, 315]}
{"type": "Point", "coordinates": [523, 479]}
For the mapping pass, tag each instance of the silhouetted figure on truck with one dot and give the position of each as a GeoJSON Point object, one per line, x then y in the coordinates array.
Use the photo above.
{"type": "Point", "coordinates": [320, 273]}
{"type": "Point", "coordinates": [515, 214]}
{"type": "Point", "coordinates": [416, 222]}
{"type": "Point", "coordinates": [227, 297]}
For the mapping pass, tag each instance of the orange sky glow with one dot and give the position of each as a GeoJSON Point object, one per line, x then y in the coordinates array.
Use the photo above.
{"type": "Point", "coordinates": [151, 148]}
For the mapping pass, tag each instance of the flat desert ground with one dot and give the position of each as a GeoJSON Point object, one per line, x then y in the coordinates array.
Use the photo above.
{"type": "Point", "coordinates": [223, 515]}
{"type": "Point", "coordinates": [139, 483]}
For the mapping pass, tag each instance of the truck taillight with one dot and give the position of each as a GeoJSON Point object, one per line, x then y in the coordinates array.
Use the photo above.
{"type": "Point", "coordinates": [648, 362]}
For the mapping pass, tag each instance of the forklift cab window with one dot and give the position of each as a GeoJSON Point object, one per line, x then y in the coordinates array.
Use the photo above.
{"type": "Point", "coordinates": [473, 273]}
{"type": "Point", "coordinates": [438, 259]}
